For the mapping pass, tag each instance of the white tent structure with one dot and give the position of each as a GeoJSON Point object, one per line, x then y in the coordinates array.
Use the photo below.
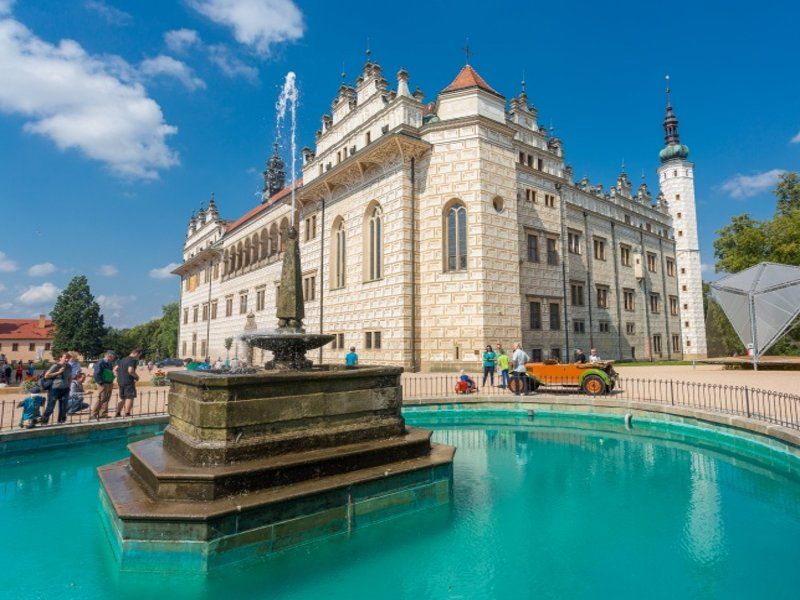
{"type": "Point", "coordinates": [761, 303]}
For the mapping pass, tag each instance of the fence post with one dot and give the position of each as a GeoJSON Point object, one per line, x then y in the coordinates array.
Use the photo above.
{"type": "Point", "coordinates": [671, 392]}
{"type": "Point", "coordinates": [747, 400]}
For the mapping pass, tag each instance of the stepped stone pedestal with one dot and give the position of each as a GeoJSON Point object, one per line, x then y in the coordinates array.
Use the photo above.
{"type": "Point", "coordinates": [253, 464]}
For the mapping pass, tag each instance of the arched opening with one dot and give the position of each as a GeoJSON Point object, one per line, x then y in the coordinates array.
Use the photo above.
{"type": "Point", "coordinates": [264, 243]}
{"type": "Point", "coordinates": [255, 247]}
{"type": "Point", "coordinates": [338, 254]}
{"type": "Point", "coordinates": [284, 233]}
{"type": "Point", "coordinates": [455, 236]}
{"type": "Point", "coordinates": [273, 239]}
{"type": "Point", "coordinates": [246, 253]}
{"type": "Point", "coordinates": [373, 242]}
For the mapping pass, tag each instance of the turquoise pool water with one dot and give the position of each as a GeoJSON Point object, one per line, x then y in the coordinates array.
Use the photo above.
{"type": "Point", "coordinates": [543, 509]}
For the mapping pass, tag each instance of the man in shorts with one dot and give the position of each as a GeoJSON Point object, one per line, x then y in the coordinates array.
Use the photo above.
{"type": "Point", "coordinates": [104, 378]}
{"type": "Point", "coordinates": [126, 379]}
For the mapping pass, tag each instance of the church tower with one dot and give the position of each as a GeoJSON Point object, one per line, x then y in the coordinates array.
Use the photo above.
{"type": "Point", "coordinates": [274, 174]}
{"type": "Point", "coordinates": [676, 181]}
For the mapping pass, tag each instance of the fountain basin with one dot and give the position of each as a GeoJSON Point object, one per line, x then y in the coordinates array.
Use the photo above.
{"type": "Point", "coordinates": [288, 346]}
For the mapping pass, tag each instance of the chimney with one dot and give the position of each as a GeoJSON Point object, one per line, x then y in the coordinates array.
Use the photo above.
{"type": "Point", "coordinates": [42, 322]}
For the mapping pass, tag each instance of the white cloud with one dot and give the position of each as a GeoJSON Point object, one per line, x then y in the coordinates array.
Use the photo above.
{"type": "Point", "coordinates": [84, 102]}
{"type": "Point", "coordinates": [164, 272]}
{"type": "Point", "coordinates": [795, 139]}
{"type": "Point", "coordinates": [229, 64]}
{"type": "Point", "coordinates": [6, 264]}
{"type": "Point", "coordinates": [42, 269]}
{"type": "Point", "coordinates": [107, 270]}
{"type": "Point", "coordinates": [111, 14]}
{"type": "Point", "coordinates": [259, 24]}
{"type": "Point", "coordinates": [180, 40]}
{"type": "Point", "coordinates": [39, 294]}
{"type": "Point", "coordinates": [5, 7]}
{"type": "Point", "coordinates": [6, 305]}
{"type": "Point", "coordinates": [170, 67]}
{"type": "Point", "coordinates": [745, 186]}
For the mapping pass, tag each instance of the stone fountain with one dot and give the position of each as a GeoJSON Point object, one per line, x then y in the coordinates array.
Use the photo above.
{"type": "Point", "coordinates": [251, 464]}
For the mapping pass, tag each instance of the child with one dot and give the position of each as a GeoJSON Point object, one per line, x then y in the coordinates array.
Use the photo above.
{"type": "Point", "coordinates": [504, 364]}
{"type": "Point", "coordinates": [75, 404]}
{"type": "Point", "coordinates": [31, 408]}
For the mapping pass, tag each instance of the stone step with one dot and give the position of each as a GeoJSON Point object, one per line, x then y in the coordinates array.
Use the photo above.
{"type": "Point", "coordinates": [135, 507]}
{"type": "Point", "coordinates": [170, 477]}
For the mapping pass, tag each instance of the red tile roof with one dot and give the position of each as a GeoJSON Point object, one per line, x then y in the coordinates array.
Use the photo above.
{"type": "Point", "coordinates": [25, 329]}
{"type": "Point", "coordinates": [262, 207]}
{"type": "Point", "coordinates": [468, 78]}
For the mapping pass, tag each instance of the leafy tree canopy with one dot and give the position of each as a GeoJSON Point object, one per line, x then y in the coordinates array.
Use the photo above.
{"type": "Point", "coordinates": [157, 338]}
{"type": "Point", "coordinates": [79, 324]}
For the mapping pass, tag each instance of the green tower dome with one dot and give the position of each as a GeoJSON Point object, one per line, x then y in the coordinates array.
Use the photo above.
{"type": "Point", "coordinates": [673, 151]}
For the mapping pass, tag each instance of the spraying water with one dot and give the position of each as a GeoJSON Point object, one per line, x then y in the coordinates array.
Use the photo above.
{"type": "Point", "coordinates": [288, 99]}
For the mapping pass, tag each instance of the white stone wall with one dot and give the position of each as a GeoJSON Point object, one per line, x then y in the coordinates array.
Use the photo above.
{"type": "Point", "coordinates": [676, 179]}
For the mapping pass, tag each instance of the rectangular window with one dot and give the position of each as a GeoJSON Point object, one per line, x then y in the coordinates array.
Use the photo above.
{"type": "Point", "coordinates": [651, 262]}
{"type": "Point", "coordinates": [185, 316]}
{"type": "Point", "coordinates": [579, 326]}
{"type": "Point", "coordinates": [574, 242]}
{"type": "Point", "coordinates": [368, 340]}
{"type": "Point", "coordinates": [599, 249]}
{"type": "Point", "coordinates": [655, 303]}
{"type": "Point", "coordinates": [533, 247]}
{"type": "Point", "coordinates": [536, 355]}
{"type": "Point", "coordinates": [216, 271]}
{"type": "Point", "coordinates": [14, 347]}
{"type": "Point", "coordinates": [552, 251]}
{"type": "Point", "coordinates": [243, 304]}
{"type": "Point", "coordinates": [229, 306]}
{"type": "Point", "coordinates": [555, 354]}
{"type": "Point", "coordinates": [540, 164]}
{"type": "Point", "coordinates": [183, 348]}
{"type": "Point", "coordinates": [536, 315]}
{"type": "Point", "coordinates": [47, 346]}
{"type": "Point", "coordinates": [205, 312]}
{"type": "Point", "coordinates": [555, 317]}
{"type": "Point", "coordinates": [310, 288]}
{"type": "Point", "coordinates": [31, 347]}
{"type": "Point", "coordinates": [522, 158]}
{"type": "Point", "coordinates": [549, 200]}
{"type": "Point", "coordinates": [604, 327]}
{"type": "Point", "coordinates": [335, 341]}
{"type": "Point", "coordinates": [372, 340]}
{"type": "Point", "coordinates": [657, 343]}
{"type": "Point", "coordinates": [214, 310]}
{"type": "Point", "coordinates": [195, 314]}
{"type": "Point", "coordinates": [676, 342]}
{"type": "Point", "coordinates": [203, 348]}
{"type": "Point", "coordinates": [576, 294]}
{"type": "Point", "coordinates": [625, 255]}
{"type": "Point", "coordinates": [627, 219]}
{"type": "Point", "coordinates": [530, 160]}
{"type": "Point", "coordinates": [673, 305]}
{"type": "Point", "coordinates": [629, 299]}
{"type": "Point", "coordinates": [602, 296]}
{"type": "Point", "coordinates": [530, 195]}
{"type": "Point", "coordinates": [670, 267]}
{"type": "Point", "coordinates": [630, 328]}
{"type": "Point", "coordinates": [260, 299]}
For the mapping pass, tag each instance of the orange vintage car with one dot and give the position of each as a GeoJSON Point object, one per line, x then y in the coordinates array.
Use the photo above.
{"type": "Point", "coordinates": [591, 378]}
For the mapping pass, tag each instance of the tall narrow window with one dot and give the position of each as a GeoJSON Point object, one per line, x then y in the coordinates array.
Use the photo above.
{"type": "Point", "coordinates": [456, 237]}
{"type": "Point", "coordinates": [338, 254]}
{"type": "Point", "coordinates": [536, 315]}
{"type": "Point", "coordinates": [374, 258]}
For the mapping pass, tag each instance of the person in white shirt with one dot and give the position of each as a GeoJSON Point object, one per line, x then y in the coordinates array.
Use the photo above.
{"type": "Point", "coordinates": [593, 356]}
{"type": "Point", "coordinates": [519, 358]}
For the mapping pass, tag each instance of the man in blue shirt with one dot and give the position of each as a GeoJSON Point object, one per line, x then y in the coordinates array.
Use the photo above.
{"type": "Point", "coordinates": [351, 359]}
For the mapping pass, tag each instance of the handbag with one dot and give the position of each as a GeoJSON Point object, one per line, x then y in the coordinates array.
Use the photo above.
{"type": "Point", "coordinates": [45, 384]}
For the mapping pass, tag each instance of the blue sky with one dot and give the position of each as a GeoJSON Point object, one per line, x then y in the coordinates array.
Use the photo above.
{"type": "Point", "coordinates": [117, 119]}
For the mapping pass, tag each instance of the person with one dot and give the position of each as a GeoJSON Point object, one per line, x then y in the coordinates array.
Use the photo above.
{"type": "Point", "coordinates": [61, 375]}
{"type": "Point", "coordinates": [594, 357]}
{"type": "Point", "coordinates": [19, 371]}
{"type": "Point", "coordinates": [489, 360]}
{"type": "Point", "coordinates": [519, 358]}
{"type": "Point", "coordinates": [126, 379]}
{"type": "Point", "coordinates": [219, 364]}
{"type": "Point", "coordinates": [351, 358]}
{"type": "Point", "coordinates": [31, 408]}
{"type": "Point", "coordinates": [75, 366]}
{"type": "Point", "coordinates": [75, 403]}
{"type": "Point", "coordinates": [465, 384]}
{"type": "Point", "coordinates": [150, 366]}
{"type": "Point", "coordinates": [504, 363]}
{"type": "Point", "coordinates": [580, 357]}
{"type": "Point", "coordinates": [103, 376]}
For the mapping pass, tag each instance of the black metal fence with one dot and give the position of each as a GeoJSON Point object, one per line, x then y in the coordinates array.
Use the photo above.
{"type": "Point", "coordinates": [769, 406]}
{"type": "Point", "coordinates": [148, 402]}
{"type": "Point", "coordinates": [763, 405]}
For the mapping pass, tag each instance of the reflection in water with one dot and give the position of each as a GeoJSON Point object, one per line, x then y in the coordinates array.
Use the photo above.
{"type": "Point", "coordinates": [704, 532]}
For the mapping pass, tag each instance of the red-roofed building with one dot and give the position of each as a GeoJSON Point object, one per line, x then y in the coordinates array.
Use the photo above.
{"type": "Point", "coordinates": [429, 229]}
{"type": "Point", "coordinates": [26, 339]}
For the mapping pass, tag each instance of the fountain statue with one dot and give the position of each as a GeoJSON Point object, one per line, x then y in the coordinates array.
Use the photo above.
{"type": "Point", "coordinates": [255, 462]}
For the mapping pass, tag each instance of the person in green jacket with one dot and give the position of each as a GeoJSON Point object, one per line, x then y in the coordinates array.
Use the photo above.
{"type": "Point", "coordinates": [489, 361]}
{"type": "Point", "coordinates": [503, 363]}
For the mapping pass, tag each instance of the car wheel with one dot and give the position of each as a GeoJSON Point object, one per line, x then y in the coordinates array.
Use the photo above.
{"type": "Point", "coordinates": [593, 385]}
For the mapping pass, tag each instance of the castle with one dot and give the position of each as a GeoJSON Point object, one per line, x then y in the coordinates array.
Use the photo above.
{"type": "Point", "coordinates": [429, 230]}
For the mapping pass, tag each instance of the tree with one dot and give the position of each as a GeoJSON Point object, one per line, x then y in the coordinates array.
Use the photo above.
{"type": "Point", "coordinates": [78, 323]}
{"type": "Point", "coordinates": [228, 344]}
{"type": "Point", "coordinates": [167, 331]}
{"type": "Point", "coordinates": [746, 242]}
{"type": "Point", "coordinates": [157, 338]}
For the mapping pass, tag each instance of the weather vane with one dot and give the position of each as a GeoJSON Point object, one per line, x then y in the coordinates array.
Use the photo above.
{"type": "Point", "coordinates": [467, 51]}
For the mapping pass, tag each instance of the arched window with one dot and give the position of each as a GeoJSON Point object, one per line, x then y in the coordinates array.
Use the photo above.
{"type": "Point", "coordinates": [246, 253]}
{"type": "Point", "coordinates": [273, 239]}
{"type": "Point", "coordinates": [226, 262]}
{"type": "Point", "coordinates": [264, 243]}
{"type": "Point", "coordinates": [373, 240]}
{"type": "Point", "coordinates": [255, 249]}
{"type": "Point", "coordinates": [455, 225]}
{"type": "Point", "coordinates": [338, 260]}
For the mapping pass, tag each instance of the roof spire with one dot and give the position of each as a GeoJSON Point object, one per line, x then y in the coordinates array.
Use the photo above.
{"type": "Point", "coordinates": [524, 85]}
{"type": "Point", "coordinates": [344, 74]}
{"type": "Point", "coordinates": [467, 52]}
{"type": "Point", "coordinates": [368, 52]}
{"type": "Point", "coordinates": [672, 142]}
{"type": "Point", "coordinates": [622, 166]}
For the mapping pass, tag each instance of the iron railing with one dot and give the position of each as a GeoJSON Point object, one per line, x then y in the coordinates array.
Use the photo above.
{"type": "Point", "coordinates": [148, 402]}
{"type": "Point", "coordinates": [768, 406]}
